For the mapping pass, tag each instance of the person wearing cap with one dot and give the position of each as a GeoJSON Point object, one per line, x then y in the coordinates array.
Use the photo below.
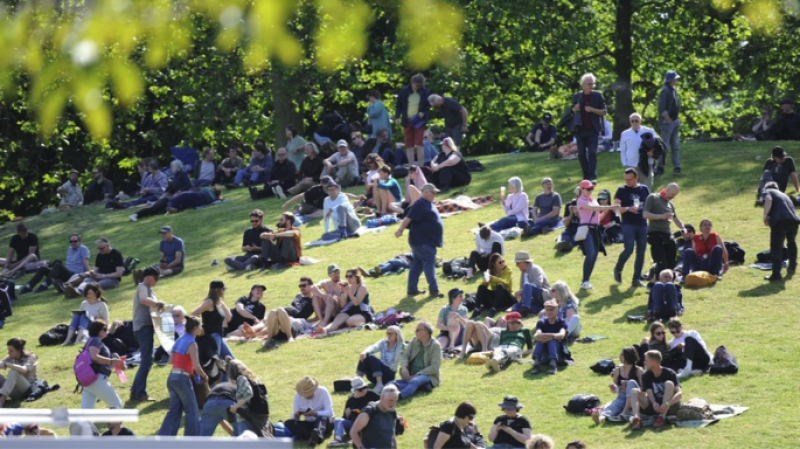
{"type": "Point", "coordinates": [259, 170]}
{"type": "Point", "coordinates": [171, 253]}
{"type": "Point", "coordinates": [494, 294]}
{"type": "Point", "coordinates": [534, 288]}
{"type": "Point", "coordinates": [144, 300]}
{"type": "Point", "coordinates": [71, 194]}
{"type": "Point", "coordinates": [215, 316]}
{"type": "Point", "coordinates": [251, 242]}
{"type": "Point", "coordinates": [448, 169]}
{"type": "Point", "coordinates": [549, 337]}
{"type": "Point", "coordinates": [25, 245]}
{"type": "Point", "coordinates": [589, 108]}
{"type": "Point", "coordinates": [487, 242]}
{"type": "Point", "coordinates": [313, 403]}
{"type": "Point", "coordinates": [420, 363]}
{"type": "Point", "coordinates": [309, 170]}
{"type": "Point", "coordinates": [338, 211]}
{"type": "Point", "coordinates": [544, 213]}
{"type": "Point", "coordinates": [669, 107]}
{"type": "Point", "coordinates": [708, 252]}
{"type": "Point", "coordinates": [375, 426]}
{"type": "Point", "coordinates": [382, 370]}
{"type": "Point", "coordinates": [515, 207]}
{"type": "Point", "coordinates": [312, 201]}
{"type": "Point", "coordinates": [362, 396]}
{"type": "Point", "coordinates": [630, 142]}
{"type": "Point", "coordinates": [426, 234]}
{"type": "Point", "coordinates": [329, 295]}
{"type": "Point", "coordinates": [455, 116]}
{"type": "Point", "coordinates": [412, 112]}
{"type": "Point", "coordinates": [512, 340]}
{"type": "Point", "coordinates": [107, 271]}
{"type": "Point", "coordinates": [628, 203]}
{"type": "Point", "coordinates": [781, 217]}
{"type": "Point", "coordinates": [543, 135]}
{"type": "Point", "coordinates": [781, 169]}
{"type": "Point", "coordinates": [342, 166]}
{"type": "Point", "coordinates": [589, 211]}
{"type": "Point", "coordinates": [452, 320]}
{"type": "Point", "coordinates": [510, 430]}
{"type": "Point", "coordinates": [610, 230]}
{"type": "Point", "coordinates": [249, 309]}
{"type": "Point", "coordinates": [787, 126]}
{"type": "Point", "coordinates": [660, 211]}
{"type": "Point", "coordinates": [283, 247]}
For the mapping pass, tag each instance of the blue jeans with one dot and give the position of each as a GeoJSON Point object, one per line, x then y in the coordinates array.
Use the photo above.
{"type": "Point", "coordinates": [532, 299]}
{"type": "Point", "coordinates": [618, 404]}
{"type": "Point", "coordinates": [539, 349]}
{"type": "Point", "coordinates": [241, 426]}
{"type": "Point", "coordinates": [372, 367]}
{"type": "Point", "coordinates": [341, 427]}
{"type": "Point", "coordinates": [669, 134]}
{"type": "Point", "coordinates": [393, 265]}
{"type": "Point", "coordinates": [569, 234]}
{"type": "Point", "coordinates": [693, 262]}
{"type": "Point", "coordinates": [138, 201]}
{"type": "Point", "coordinates": [663, 301]}
{"type": "Point", "coordinates": [145, 338]}
{"type": "Point", "coordinates": [394, 158]}
{"type": "Point", "coordinates": [181, 399]}
{"type": "Point", "coordinates": [507, 222]}
{"type": "Point", "coordinates": [214, 411]}
{"type": "Point", "coordinates": [79, 321]}
{"type": "Point", "coordinates": [254, 177]}
{"type": "Point", "coordinates": [201, 183]}
{"type": "Point", "coordinates": [587, 152]}
{"type": "Point", "coordinates": [424, 260]}
{"type": "Point", "coordinates": [591, 246]}
{"type": "Point", "coordinates": [633, 235]}
{"type": "Point", "coordinates": [223, 351]}
{"type": "Point", "coordinates": [536, 228]}
{"type": "Point", "coordinates": [408, 388]}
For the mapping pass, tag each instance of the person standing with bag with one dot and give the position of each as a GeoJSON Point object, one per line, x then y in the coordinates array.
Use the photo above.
{"type": "Point", "coordinates": [588, 234]}
{"type": "Point", "coordinates": [103, 362]}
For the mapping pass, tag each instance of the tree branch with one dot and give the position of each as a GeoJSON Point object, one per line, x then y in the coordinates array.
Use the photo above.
{"type": "Point", "coordinates": [605, 52]}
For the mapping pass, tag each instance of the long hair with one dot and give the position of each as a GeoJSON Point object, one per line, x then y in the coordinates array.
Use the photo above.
{"type": "Point", "coordinates": [18, 344]}
{"type": "Point", "coordinates": [355, 274]}
{"type": "Point", "coordinates": [563, 293]}
{"type": "Point", "coordinates": [98, 291]}
{"type": "Point", "coordinates": [215, 294]}
{"type": "Point", "coordinates": [492, 259]}
{"type": "Point", "coordinates": [237, 368]}
{"type": "Point", "coordinates": [397, 331]}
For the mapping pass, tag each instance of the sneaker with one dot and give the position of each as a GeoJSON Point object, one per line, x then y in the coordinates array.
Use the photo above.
{"type": "Point", "coordinates": [552, 369]}
{"type": "Point", "coordinates": [772, 278]}
{"type": "Point", "coordinates": [71, 292]}
{"type": "Point", "coordinates": [133, 217]}
{"type": "Point", "coordinates": [42, 288]}
{"type": "Point", "coordinates": [25, 290]}
{"type": "Point", "coordinates": [617, 276]}
{"type": "Point", "coordinates": [279, 192]}
{"type": "Point", "coordinates": [492, 313]}
{"type": "Point", "coordinates": [586, 285]}
{"type": "Point", "coordinates": [378, 388]}
{"type": "Point", "coordinates": [676, 171]}
{"type": "Point", "coordinates": [494, 365]}
{"type": "Point", "coordinates": [336, 443]}
{"type": "Point", "coordinates": [536, 369]}
{"type": "Point", "coordinates": [436, 294]}
{"type": "Point", "coordinates": [59, 286]}
{"type": "Point", "coordinates": [637, 284]}
{"type": "Point", "coordinates": [145, 398]}
{"type": "Point", "coordinates": [659, 421]}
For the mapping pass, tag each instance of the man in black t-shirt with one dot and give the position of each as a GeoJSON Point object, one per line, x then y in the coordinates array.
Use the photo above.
{"type": "Point", "coordinates": [543, 135]}
{"type": "Point", "coordinates": [115, 429]}
{"type": "Point", "coordinates": [659, 395]}
{"type": "Point", "coordinates": [455, 116]}
{"type": "Point", "coordinates": [571, 221]}
{"type": "Point", "coordinates": [312, 200]}
{"type": "Point", "coordinates": [628, 202]}
{"type": "Point", "coordinates": [251, 242]}
{"type": "Point", "coordinates": [107, 271]}
{"type": "Point", "coordinates": [780, 168]}
{"type": "Point", "coordinates": [249, 309]}
{"type": "Point", "coordinates": [361, 397]}
{"type": "Point", "coordinates": [25, 245]}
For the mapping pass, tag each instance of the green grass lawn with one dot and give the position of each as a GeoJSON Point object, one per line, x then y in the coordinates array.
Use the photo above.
{"type": "Point", "coordinates": [743, 312]}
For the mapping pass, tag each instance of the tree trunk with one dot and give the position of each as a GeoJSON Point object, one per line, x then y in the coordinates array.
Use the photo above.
{"type": "Point", "coordinates": [286, 101]}
{"type": "Point", "coordinates": [623, 66]}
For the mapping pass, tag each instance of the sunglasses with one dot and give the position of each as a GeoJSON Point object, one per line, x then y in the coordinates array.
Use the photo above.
{"type": "Point", "coordinates": [515, 322]}
{"type": "Point", "coordinates": [674, 331]}
{"type": "Point", "coordinates": [303, 285]}
{"type": "Point", "coordinates": [349, 276]}
{"type": "Point", "coordinates": [254, 221]}
{"type": "Point", "coordinates": [74, 241]}
{"type": "Point", "coordinates": [589, 188]}
{"type": "Point", "coordinates": [471, 417]}
{"type": "Point", "coordinates": [658, 333]}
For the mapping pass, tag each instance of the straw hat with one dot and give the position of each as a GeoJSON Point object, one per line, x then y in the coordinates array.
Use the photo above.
{"type": "Point", "coordinates": [307, 386]}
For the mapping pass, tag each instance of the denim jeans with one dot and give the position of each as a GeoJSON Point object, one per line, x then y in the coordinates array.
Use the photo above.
{"type": "Point", "coordinates": [201, 183]}
{"type": "Point", "coordinates": [663, 301]}
{"type": "Point", "coordinates": [569, 234]}
{"type": "Point", "coordinates": [633, 235]}
{"type": "Point", "coordinates": [587, 152]}
{"type": "Point", "coordinates": [669, 134]}
{"type": "Point", "coordinates": [214, 411]}
{"type": "Point", "coordinates": [393, 265]}
{"type": "Point", "coordinates": [507, 222]}
{"type": "Point", "coordinates": [693, 262]}
{"type": "Point", "coordinates": [341, 427]}
{"type": "Point", "coordinates": [372, 367]}
{"type": "Point", "coordinates": [223, 351]}
{"type": "Point", "coordinates": [536, 228]}
{"type": "Point", "coordinates": [618, 404]}
{"type": "Point", "coordinates": [145, 338]}
{"type": "Point", "coordinates": [240, 263]}
{"type": "Point", "coordinates": [181, 399]}
{"type": "Point", "coordinates": [239, 427]}
{"type": "Point", "coordinates": [424, 261]}
{"type": "Point", "coordinates": [254, 177]}
{"type": "Point", "coordinates": [532, 299]}
{"type": "Point", "coordinates": [79, 321]}
{"type": "Point", "coordinates": [539, 349]}
{"type": "Point", "coordinates": [137, 202]}
{"type": "Point", "coordinates": [409, 387]}
{"type": "Point", "coordinates": [591, 246]}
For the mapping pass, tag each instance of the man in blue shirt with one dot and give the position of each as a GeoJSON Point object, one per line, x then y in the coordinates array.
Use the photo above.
{"type": "Point", "coordinates": [171, 254]}
{"type": "Point", "coordinates": [424, 236]}
{"type": "Point", "coordinates": [77, 261]}
{"type": "Point", "coordinates": [629, 201]}
{"type": "Point", "coordinates": [550, 334]}
{"type": "Point", "coordinates": [259, 170]}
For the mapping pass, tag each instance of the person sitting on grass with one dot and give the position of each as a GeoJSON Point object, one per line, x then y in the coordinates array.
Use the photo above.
{"type": "Point", "coordinates": [660, 393]}
{"type": "Point", "coordinates": [544, 213]}
{"type": "Point", "coordinates": [448, 169]}
{"type": "Point", "coordinates": [191, 200]}
{"type": "Point", "coordinates": [708, 252]}
{"type": "Point", "coordinates": [25, 245]}
{"type": "Point", "coordinates": [577, 444]}
{"type": "Point", "coordinates": [94, 307]}
{"type": "Point", "coordinates": [247, 418]}
{"type": "Point", "coordinates": [357, 310]}
{"type": "Point", "coordinates": [460, 431]}
{"type": "Point", "coordinates": [282, 248]}
{"type": "Point", "coordinates": [251, 242]}
{"type": "Point", "coordinates": [624, 379]}
{"type": "Point", "coordinates": [362, 397]}
{"type": "Point", "coordinates": [258, 171]}
{"type": "Point", "coordinates": [512, 339]}
{"type": "Point", "coordinates": [338, 211]}
{"type": "Point", "coordinates": [107, 271]}
{"type": "Point", "coordinates": [395, 265]}
{"type": "Point", "coordinates": [280, 325]}
{"type": "Point", "coordinates": [301, 308]}
{"type": "Point", "coordinates": [249, 309]}
{"type": "Point", "coordinates": [494, 294]}
{"type": "Point", "coordinates": [451, 322]}
{"type": "Point", "coordinates": [383, 370]}
{"type": "Point", "coordinates": [567, 308]}
{"type": "Point", "coordinates": [510, 430]}
{"type": "Point", "coordinates": [515, 207]}
{"type": "Point", "coordinates": [566, 242]}
{"type": "Point", "coordinates": [665, 300]}
{"type": "Point", "coordinates": [550, 334]}
{"type": "Point", "coordinates": [482, 336]}
{"type": "Point", "coordinates": [154, 183]}
{"type": "Point", "coordinates": [77, 261]}
{"type": "Point", "coordinates": [375, 426]}
{"type": "Point", "coordinates": [420, 363]}
{"type": "Point", "coordinates": [387, 194]}
{"type": "Point", "coordinates": [171, 255]}
{"type": "Point", "coordinates": [534, 288]}
{"type": "Point", "coordinates": [312, 402]}
{"type": "Point", "coordinates": [540, 441]}
{"type": "Point", "coordinates": [21, 365]}
{"type": "Point", "coordinates": [487, 242]}
{"type": "Point", "coordinates": [694, 349]}
{"type": "Point", "coordinates": [329, 295]}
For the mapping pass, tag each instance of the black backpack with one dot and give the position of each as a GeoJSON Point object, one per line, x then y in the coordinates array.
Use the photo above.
{"type": "Point", "coordinates": [129, 265]}
{"type": "Point", "coordinates": [735, 252]}
{"type": "Point", "coordinates": [581, 402]}
{"type": "Point", "coordinates": [54, 336]}
{"type": "Point", "coordinates": [766, 255]}
{"type": "Point", "coordinates": [604, 366]}
{"type": "Point", "coordinates": [259, 403]}
{"type": "Point", "coordinates": [5, 301]}
{"type": "Point", "coordinates": [724, 362]}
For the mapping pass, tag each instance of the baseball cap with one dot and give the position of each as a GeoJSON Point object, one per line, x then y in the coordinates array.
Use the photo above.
{"type": "Point", "coordinates": [341, 143]}
{"type": "Point", "coordinates": [547, 116]}
{"type": "Point", "coordinates": [332, 268]}
{"type": "Point", "coordinates": [165, 229]}
{"type": "Point", "coordinates": [150, 271]}
{"type": "Point", "coordinates": [453, 293]}
{"type": "Point", "coordinates": [778, 152]}
{"type": "Point", "coordinates": [217, 284]}
{"type": "Point", "coordinates": [586, 184]}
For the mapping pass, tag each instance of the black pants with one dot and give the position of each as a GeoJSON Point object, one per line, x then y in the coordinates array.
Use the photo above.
{"type": "Point", "coordinates": [321, 428]}
{"type": "Point", "coordinates": [448, 177]}
{"type": "Point", "coordinates": [499, 299]}
{"type": "Point", "coordinates": [282, 252]}
{"type": "Point", "coordinates": [56, 271]}
{"type": "Point", "coordinates": [372, 367]}
{"type": "Point", "coordinates": [481, 261]}
{"type": "Point", "coordinates": [694, 351]}
{"type": "Point", "coordinates": [663, 250]}
{"type": "Point", "coordinates": [158, 208]}
{"type": "Point", "coordinates": [780, 231]}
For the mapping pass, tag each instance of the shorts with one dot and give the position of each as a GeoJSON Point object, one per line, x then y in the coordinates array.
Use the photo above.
{"type": "Point", "coordinates": [459, 339]}
{"type": "Point", "coordinates": [673, 409]}
{"type": "Point", "coordinates": [412, 137]}
{"type": "Point", "coordinates": [353, 311]}
{"type": "Point", "coordinates": [493, 344]}
{"type": "Point", "coordinates": [299, 326]}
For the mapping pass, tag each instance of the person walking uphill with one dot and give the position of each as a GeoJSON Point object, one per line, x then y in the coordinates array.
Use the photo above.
{"type": "Point", "coordinates": [143, 300]}
{"type": "Point", "coordinates": [589, 107]}
{"type": "Point", "coordinates": [424, 236]}
{"type": "Point", "coordinates": [669, 106]}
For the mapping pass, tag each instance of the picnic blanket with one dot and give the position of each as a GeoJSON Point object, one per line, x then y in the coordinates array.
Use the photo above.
{"type": "Point", "coordinates": [331, 237]}
{"type": "Point", "coordinates": [462, 203]}
{"type": "Point", "coordinates": [766, 266]}
{"type": "Point", "coordinates": [224, 200]}
{"type": "Point", "coordinates": [720, 412]}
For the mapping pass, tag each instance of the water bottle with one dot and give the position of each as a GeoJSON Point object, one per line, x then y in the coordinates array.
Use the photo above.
{"type": "Point", "coordinates": [196, 378]}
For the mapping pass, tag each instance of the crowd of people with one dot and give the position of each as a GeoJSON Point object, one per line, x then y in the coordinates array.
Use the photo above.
{"type": "Point", "coordinates": [396, 368]}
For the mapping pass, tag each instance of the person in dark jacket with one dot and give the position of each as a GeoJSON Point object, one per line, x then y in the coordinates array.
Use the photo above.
{"type": "Point", "coordinates": [589, 108]}
{"type": "Point", "coordinates": [669, 106]}
{"type": "Point", "coordinates": [412, 112]}
{"type": "Point", "coordinates": [251, 242]}
{"type": "Point", "coordinates": [787, 127]}
{"type": "Point", "coordinates": [310, 170]}
{"type": "Point", "coordinates": [100, 188]}
{"type": "Point", "coordinates": [284, 174]}
{"type": "Point", "coordinates": [226, 171]}
{"type": "Point", "coordinates": [204, 171]}
{"type": "Point", "coordinates": [782, 219]}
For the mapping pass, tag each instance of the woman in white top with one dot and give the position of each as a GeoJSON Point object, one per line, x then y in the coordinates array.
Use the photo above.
{"type": "Point", "coordinates": [94, 307]}
{"type": "Point", "coordinates": [694, 348]}
{"type": "Point", "coordinates": [313, 402]}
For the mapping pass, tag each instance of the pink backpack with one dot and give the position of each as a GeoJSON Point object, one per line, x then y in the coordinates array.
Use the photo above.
{"type": "Point", "coordinates": [83, 367]}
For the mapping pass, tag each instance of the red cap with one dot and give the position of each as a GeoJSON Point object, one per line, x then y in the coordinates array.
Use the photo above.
{"type": "Point", "coordinates": [585, 184]}
{"type": "Point", "coordinates": [513, 316]}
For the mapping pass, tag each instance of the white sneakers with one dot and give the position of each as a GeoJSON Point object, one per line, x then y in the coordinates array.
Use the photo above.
{"type": "Point", "coordinates": [133, 217]}
{"type": "Point", "coordinates": [586, 285]}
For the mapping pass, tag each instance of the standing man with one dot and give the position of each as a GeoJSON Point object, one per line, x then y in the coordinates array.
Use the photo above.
{"type": "Point", "coordinates": [375, 426]}
{"type": "Point", "coordinates": [251, 242]}
{"type": "Point", "coordinates": [660, 394]}
{"type": "Point", "coordinates": [628, 203]}
{"type": "Point", "coordinates": [782, 219]}
{"type": "Point", "coordinates": [659, 210]}
{"type": "Point", "coordinates": [342, 166]}
{"type": "Point", "coordinates": [26, 247]}
{"type": "Point", "coordinates": [77, 261]}
{"type": "Point", "coordinates": [107, 271]}
{"type": "Point", "coordinates": [455, 116]}
{"type": "Point", "coordinates": [424, 236]}
{"type": "Point", "coordinates": [143, 300]}
{"type": "Point", "coordinates": [669, 106]}
{"type": "Point", "coordinates": [100, 188]}
{"type": "Point", "coordinates": [629, 143]}
{"type": "Point", "coordinates": [546, 207]}
{"type": "Point", "coordinates": [543, 135]}
{"type": "Point", "coordinates": [412, 111]}
{"type": "Point", "coordinates": [71, 195]}
{"type": "Point", "coordinates": [589, 107]}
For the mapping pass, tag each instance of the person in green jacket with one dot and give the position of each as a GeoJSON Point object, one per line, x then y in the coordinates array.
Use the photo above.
{"type": "Point", "coordinates": [420, 362]}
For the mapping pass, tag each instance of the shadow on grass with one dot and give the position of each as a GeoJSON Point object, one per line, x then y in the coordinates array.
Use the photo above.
{"type": "Point", "coordinates": [764, 290]}
{"type": "Point", "coordinates": [614, 297]}
{"type": "Point", "coordinates": [637, 310]}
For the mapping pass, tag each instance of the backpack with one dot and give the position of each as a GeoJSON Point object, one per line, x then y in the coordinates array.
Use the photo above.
{"type": "Point", "coordinates": [766, 255]}
{"type": "Point", "coordinates": [84, 372]}
{"type": "Point", "coordinates": [581, 402]}
{"type": "Point", "coordinates": [735, 252]}
{"type": "Point", "coordinates": [129, 265]}
{"type": "Point", "coordinates": [259, 403]}
{"type": "Point", "coordinates": [399, 172]}
{"type": "Point", "coordinates": [695, 410]}
{"type": "Point", "coordinates": [5, 302]}
{"type": "Point", "coordinates": [723, 362]}
{"type": "Point", "coordinates": [54, 336]}
{"type": "Point", "coordinates": [603, 366]}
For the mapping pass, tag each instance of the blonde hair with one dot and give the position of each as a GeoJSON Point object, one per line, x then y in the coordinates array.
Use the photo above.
{"type": "Point", "coordinates": [540, 441]}
{"type": "Point", "coordinates": [563, 293]}
{"type": "Point", "coordinates": [448, 142]}
{"type": "Point", "coordinates": [179, 309]}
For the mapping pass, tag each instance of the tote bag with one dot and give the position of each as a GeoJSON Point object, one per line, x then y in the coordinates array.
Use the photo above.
{"type": "Point", "coordinates": [583, 230]}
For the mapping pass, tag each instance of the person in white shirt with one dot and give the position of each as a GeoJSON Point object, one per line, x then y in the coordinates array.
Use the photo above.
{"type": "Point", "coordinates": [337, 210]}
{"type": "Point", "coordinates": [694, 348]}
{"type": "Point", "coordinates": [630, 141]}
{"type": "Point", "coordinates": [314, 403]}
{"type": "Point", "coordinates": [487, 242]}
{"type": "Point", "coordinates": [342, 166]}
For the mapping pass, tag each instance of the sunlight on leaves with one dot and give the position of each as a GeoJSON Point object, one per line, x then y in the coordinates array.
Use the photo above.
{"type": "Point", "coordinates": [433, 31]}
{"type": "Point", "coordinates": [342, 31]}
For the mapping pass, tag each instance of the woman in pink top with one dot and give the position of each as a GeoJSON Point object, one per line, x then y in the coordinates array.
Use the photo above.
{"type": "Point", "coordinates": [589, 211]}
{"type": "Point", "coordinates": [515, 205]}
